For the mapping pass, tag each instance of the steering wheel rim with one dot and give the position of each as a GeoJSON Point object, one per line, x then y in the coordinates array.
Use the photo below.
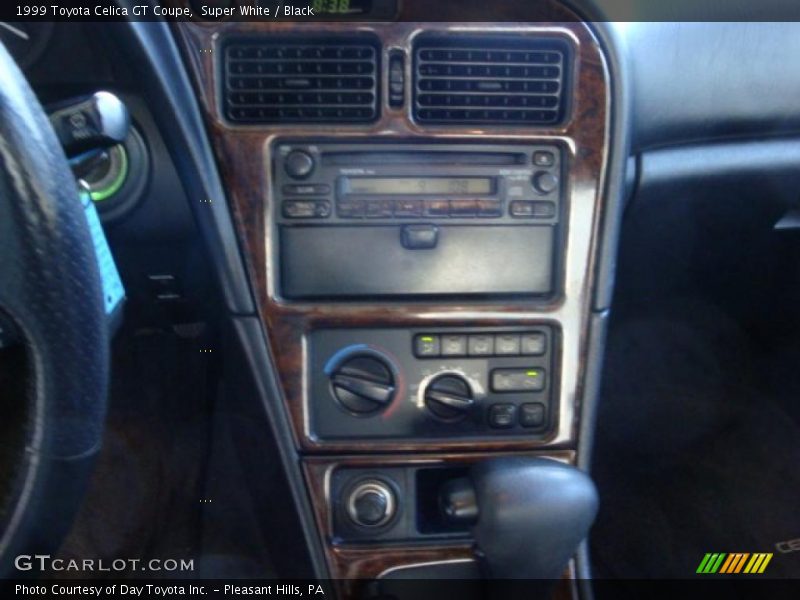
{"type": "Point", "coordinates": [50, 287]}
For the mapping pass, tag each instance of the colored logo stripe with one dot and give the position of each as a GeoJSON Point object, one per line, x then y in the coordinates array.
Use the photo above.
{"type": "Point", "coordinates": [758, 563]}
{"type": "Point", "coordinates": [733, 563]}
{"type": "Point", "coordinates": [710, 563]}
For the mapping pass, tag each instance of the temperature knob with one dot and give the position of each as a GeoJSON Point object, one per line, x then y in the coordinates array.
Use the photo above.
{"type": "Point", "coordinates": [449, 397]}
{"type": "Point", "coordinates": [363, 384]}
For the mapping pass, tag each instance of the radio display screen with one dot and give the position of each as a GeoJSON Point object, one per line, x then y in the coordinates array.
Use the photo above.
{"type": "Point", "coordinates": [418, 186]}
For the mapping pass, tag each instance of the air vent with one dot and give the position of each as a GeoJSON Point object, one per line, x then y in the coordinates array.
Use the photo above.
{"type": "Point", "coordinates": [301, 81]}
{"type": "Point", "coordinates": [493, 81]}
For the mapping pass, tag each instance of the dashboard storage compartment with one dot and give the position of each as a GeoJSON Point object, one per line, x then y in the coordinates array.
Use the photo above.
{"type": "Point", "coordinates": [342, 262]}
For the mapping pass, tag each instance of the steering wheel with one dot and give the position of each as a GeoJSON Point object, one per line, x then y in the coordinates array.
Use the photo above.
{"type": "Point", "coordinates": [50, 288]}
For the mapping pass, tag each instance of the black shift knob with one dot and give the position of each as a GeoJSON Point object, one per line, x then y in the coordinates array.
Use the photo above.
{"type": "Point", "coordinates": [533, 514]}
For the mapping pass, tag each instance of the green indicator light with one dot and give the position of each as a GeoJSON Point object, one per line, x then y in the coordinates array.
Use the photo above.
{"type": "Point", "coordinates": [114, 186]}
{"type": "Point", "coordinates": [533, 373]}
{"type": "Point", "coordinates": [427, 339]}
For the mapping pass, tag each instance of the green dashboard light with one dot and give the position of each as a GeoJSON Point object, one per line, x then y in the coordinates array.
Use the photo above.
{"type": "Point", "coordinates": [427, 339]}
{"type": "Point", "coordinates": [108, 190]}
{"type": "Point", "coordinates": [533, 373]}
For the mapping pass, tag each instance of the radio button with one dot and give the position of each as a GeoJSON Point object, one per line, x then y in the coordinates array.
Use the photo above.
{"type": "Point", "coordinates": [544, 182]}
{"type": "Point", "coordinates": [311, 189]}
{"type": "Point", "coordinates": [531, 209]}
{"type": "Point", "coordinates": [380, 209]}
{"type": "Point", "coordinates": [543, 158]}
{"type": "Point", "coordinates": [522, 208]}
{"type": "Point", "coordinates": [544, 210]}
{"type": "Point", "coordinates": [437, 208]}
{"type": "Point", "coordinates": [408, 208]}
{"type": "Point", "coordinates": [463, 208]}
{"type": "Point", "coordinates": [306, 209]}
{"type": "Point", "coordinates": [299, 164]}
{"type": "Point", "coordinates": [490, 208]}
{"type": "Point", "coordinates": [323, 209]}
{"type": "Point", "coordinates": [351, 209]}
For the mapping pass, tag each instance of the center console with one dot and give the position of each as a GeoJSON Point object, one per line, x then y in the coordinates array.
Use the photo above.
{"type": "Point", "coordinates": [447, 220]}
{"type": "Point", "coordinates": [421, 203]}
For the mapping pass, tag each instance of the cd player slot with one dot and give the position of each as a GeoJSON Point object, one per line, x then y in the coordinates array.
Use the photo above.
{"type": "Point", "coordinates": [358, 159]}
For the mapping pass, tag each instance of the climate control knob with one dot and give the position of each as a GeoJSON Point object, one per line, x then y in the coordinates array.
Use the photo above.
{"type": "Point", "coordinates": [449, 397]}
{"type": "Point", "coordinates": [364, 385]}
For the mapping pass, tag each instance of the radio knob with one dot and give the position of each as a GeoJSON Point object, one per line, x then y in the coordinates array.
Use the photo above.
{"type": "Point", "coordinates": [364, 385]}
{"type": "Point", "coordinates": [299, 164]}
{"type": "Point", "coordinates": [449, 397]}
{"type": "Point", "coordinates": [544, 182]}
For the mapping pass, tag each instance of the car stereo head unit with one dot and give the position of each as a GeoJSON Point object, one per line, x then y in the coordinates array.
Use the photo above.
{"type": "Point", "coordinates": [334, 183]}
{"type": "Point", "coordinates": [435, 219]}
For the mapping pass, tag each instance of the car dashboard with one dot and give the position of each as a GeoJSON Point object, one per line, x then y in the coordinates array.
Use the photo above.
{"type": "Point", "coordinates": [399, 230]}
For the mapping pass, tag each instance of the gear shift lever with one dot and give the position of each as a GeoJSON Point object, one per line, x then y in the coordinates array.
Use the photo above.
{"type": "Point", "coordinates": [531, 514]}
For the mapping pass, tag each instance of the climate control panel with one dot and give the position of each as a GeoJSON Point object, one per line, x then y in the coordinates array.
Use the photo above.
{"type": "Point", "coordinates": [441, 383]}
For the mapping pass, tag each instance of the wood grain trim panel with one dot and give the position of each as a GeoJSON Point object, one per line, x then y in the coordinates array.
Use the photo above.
{"type": "Point", "coordinates": [242, 152]}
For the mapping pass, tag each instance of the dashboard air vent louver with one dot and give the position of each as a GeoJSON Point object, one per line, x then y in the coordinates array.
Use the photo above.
{"type": "Point", "coordinates": [300, 81]}
{"type": "Point", "coordinates": [492, 81]}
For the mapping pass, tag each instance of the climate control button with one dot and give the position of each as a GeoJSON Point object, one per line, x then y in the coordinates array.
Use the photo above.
{"type": "Point", "coordinates": [532, 414]}
{"type": "Point", "coordinates": [502, 416]}
{"type": "Point", "coordinates": [518, 380]}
